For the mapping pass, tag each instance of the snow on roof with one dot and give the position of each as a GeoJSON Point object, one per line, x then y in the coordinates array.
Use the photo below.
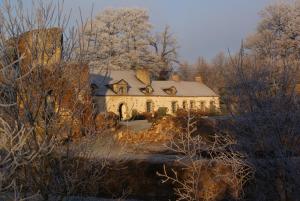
{"type": "Point", "coordinates": [184, 88]}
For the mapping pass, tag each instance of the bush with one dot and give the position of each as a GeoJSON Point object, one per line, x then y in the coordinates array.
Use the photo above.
{"type": "Point", "coordinates": [110, 120]}
{"type": "Point", "coordinates": [148, 116]}
{"type": "Point", "coordinates": [161, 112]}
{"type": "Point", "coordinates": [135, 115]}
{"type": "Point", "coordinates": [204, 126]}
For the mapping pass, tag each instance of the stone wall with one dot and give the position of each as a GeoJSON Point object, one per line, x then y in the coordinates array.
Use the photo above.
{"type": "Point", "coordinates": [41, 46]}
{"type": "Point", "coordinates": [36, 47]}
{"type": "Point", "coordinates": [138, 103]}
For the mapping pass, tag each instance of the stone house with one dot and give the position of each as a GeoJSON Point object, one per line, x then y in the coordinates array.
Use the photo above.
{"type": "Point", "coordinates": [128, 92]}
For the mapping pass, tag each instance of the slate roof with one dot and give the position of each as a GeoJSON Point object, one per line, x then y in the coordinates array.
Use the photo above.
{"type": "Point", "coordinates": [184, 88]}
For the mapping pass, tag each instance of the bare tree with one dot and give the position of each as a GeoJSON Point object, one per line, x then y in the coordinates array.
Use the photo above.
{"type": "Point", "coordinates": [265, 109]}
{"type": "Point", "coordinates": [15, 154]}
{"type": "Point", "coordinates": [165, 47]}
{"type": "Point", "coordinates": [45, 92]}
{"type": "Point", "coordinates": [211, 167]}
{"type": "Point", "coordinates": [185, 70]}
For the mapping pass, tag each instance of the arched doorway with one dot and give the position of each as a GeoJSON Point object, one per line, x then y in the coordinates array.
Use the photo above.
{"type": "Point", "coordinates": [122, 111]}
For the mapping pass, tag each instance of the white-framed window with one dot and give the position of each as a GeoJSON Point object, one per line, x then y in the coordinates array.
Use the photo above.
{"type": "Point", "coordinates": [174, 106]}
{"type": "Point", "coordinates": [149, 106]}
{"type": "Point", "coordinates": [184, 105]}
{"type": "Point", "coordinates": [122, 90]}
{"type": "Point", "coordinates": [212, 105]}
{"type": "Point", "coordinates": [202, 105]}
{"type": "Point", "coordinates": [192, 105]}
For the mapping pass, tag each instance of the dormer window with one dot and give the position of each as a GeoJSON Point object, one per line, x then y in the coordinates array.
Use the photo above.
{"type": "Point", "coordinates": [147, 90]}
{"type": "Point", "coordinates": [171, 91]}
{"type": "Point", "coordinates": [120, 88]}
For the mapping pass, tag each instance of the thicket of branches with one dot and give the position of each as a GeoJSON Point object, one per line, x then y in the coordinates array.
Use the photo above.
{"type": "Point", "coordinates": [259, 92]}
{"type": "Point", "coordinates": [213, 170]}
{"type": "Point", "coordinates": [45, 102]}
{"type": "Point", "coordinates": [265, 117]}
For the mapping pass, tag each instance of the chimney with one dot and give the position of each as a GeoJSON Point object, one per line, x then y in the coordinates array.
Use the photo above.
{"type": "Point", "coordinates": [175, 77]}
{"type": "Point", "coordinates": [143, 75]}
{"type": "Point", "coordinates": [198, 78]}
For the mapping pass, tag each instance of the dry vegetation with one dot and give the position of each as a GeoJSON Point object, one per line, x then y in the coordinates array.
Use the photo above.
{"type": "Point", "coordinates": [212, 170]}
{"type": "Point", "coordinates": [165, 128]}
{"type": "Point", "coordinates": [161, 131]}
{"type": "Point", "coordinates": [43, 105]}
{"type": "Point", "coordinates": [46, 106]}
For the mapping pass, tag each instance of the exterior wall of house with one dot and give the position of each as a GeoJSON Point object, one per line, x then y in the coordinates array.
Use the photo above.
{"type": "Point", "coordinates": [139, 103]}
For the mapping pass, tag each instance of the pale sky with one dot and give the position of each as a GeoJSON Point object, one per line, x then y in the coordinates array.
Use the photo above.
{"type": "Point", "coordinates": [202, 27]}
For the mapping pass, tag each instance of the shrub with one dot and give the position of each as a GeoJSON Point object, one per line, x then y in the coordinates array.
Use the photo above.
{"type": "Point", "coordinates": [212, 171]}
{"type": "Point", "coordinates": [161, 112]}
{"type": "Point", "coordinates": [203, 126]}
{"type": "Point", "coordinates": [135, 115]}
{"type": "Point", "coordinates": [148, 116]}
{"type": "Point", "coordinates": [107, 121]}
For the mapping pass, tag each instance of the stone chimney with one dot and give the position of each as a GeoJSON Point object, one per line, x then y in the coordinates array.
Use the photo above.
{"type": "Point", "coordinates": [175, 77]}
{"type": "Point", "coordinates": [143, 75]}
{"type": "Point", "coordinates": [198, 78]}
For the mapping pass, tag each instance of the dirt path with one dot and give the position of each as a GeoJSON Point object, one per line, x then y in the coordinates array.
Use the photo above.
{"type": "Point", "coordinates": [137, 125]}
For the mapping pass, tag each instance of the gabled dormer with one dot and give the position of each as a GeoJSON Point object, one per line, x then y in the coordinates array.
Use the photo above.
{"type": "Point", "coordinates": [171, 91]}
{"type": "Point", "coordinates": [121, 87]}
{"type": "Point", "coordinates": [147, 90]}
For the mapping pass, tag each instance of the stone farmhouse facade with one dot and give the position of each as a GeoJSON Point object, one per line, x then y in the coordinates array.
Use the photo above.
{"type": "Point", "coordinates": [126, 92]}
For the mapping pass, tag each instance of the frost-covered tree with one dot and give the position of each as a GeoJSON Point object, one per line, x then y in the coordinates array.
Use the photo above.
{"type": "Point", "coordinates": [121, 39]}
{"type": "Point", "coordinates": [278, 33]}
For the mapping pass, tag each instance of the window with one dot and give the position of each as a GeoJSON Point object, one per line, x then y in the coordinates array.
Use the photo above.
{"type": "Point", "coordinates": [184, 105]}
{"type": "Point", "coordinates": [174, 106]}
{"type": "Point", "coordinates": [192, 104]}
{"type": "Point", "coordinates": [149, 106]}
{"type": "Point", "coordinates": [120, 87]}
{"type": "Point", "coordinates": [202, 105]}
{"type": "Point", "coordinates": [212, 105]}
{"type": "Point", "coordinates": [171, 91]}
{"type": "Point", "coordinates": [122, 90]}
{"type": "Point", "coordinates": [147, 90]}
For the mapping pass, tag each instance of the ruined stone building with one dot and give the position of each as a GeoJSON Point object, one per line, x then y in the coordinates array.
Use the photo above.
{"type": "Point", "coordinates": [60, 87]}
{"type": "Point", "coordinates": [31, 53]}
{"type": "Point", "coordinates": [127, 92]}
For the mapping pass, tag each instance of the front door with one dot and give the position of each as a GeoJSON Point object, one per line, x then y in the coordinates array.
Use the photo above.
{"type": "Point", "coordinates": [122, 111]}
